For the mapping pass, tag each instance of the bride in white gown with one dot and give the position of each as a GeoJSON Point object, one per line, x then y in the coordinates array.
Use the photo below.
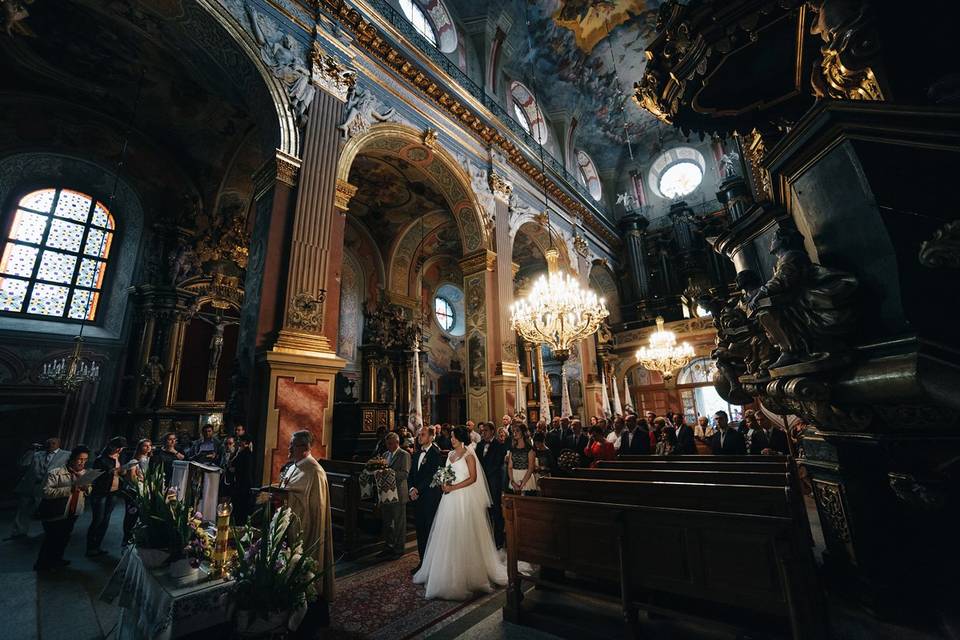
{"type": "Point", "coordinates": [461, 559]}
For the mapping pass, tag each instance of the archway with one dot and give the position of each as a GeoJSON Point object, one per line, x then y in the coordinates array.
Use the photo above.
{"type": "Point", "coordinates": [415, 203]}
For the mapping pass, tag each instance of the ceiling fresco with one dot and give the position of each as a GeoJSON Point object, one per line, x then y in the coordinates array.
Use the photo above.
{"type": "Point", "coordinates": [391, 193]}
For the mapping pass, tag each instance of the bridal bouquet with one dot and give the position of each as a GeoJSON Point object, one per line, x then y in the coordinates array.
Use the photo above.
{"type": "Point", "coordinates": [444, 475]}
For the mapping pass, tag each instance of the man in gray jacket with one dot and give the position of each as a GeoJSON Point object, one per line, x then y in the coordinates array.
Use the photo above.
{"type": "Point", "coordinates": [394, 513]}
{"type": "Point", "coordinates": [35, 463]}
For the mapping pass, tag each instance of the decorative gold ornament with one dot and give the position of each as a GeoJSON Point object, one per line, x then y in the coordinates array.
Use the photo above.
{"type": "Point", "coordinates": [306, 311]}
{"type": "Point", "coordinates": [429, 138]}
{"type": "Point", "coordinates": [557, 312]}
{"type": "Point", "coordinates": [343, 195]}
{"type": "Point", "coordinates": [329, 74]}
{"type": "Point", "coordinates": [580, 245]}
{"type": "Point", "coordinates": [664, 354]}
{"type": "Point", "coordinates": [501, 187]}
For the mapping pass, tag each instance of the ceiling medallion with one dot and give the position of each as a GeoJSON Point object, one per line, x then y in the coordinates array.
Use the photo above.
{"type": "Point", "coordinates": [664, 354]}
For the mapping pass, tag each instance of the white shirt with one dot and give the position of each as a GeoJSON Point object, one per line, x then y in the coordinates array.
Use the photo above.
{"type": "Point", "coordinates": [421, 457]}
{"type": "Point", "coordinates": [474, 437]}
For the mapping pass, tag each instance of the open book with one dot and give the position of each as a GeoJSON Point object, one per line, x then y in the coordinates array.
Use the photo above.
{"type": "Point", "coordinates": [87, 477]}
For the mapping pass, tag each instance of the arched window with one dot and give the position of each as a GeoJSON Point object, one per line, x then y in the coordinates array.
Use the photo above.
{"type": "Point", "coordinates": [419, 20]}
{"type": "Point", "coordinates": [444, 311]}
{"type": "Point", "coordinates": [527, 112]}
{"type": "Point", "coordinates": [55, 255]}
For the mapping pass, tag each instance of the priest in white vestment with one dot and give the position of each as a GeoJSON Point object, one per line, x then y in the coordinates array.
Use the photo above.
{"type": "Point", "coordinates": [309, 498]}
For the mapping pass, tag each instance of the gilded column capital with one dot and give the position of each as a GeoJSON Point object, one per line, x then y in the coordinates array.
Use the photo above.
{"type": "Point", "coordinates": [283, 167]}
{"type": "Point", "coordinates": [330, 74]}
{"type": "Point", "coordinates": [500, 186]}
{"type": "Point", "coordinates": [482, 260]}
{"type": "Point", "coordinates": [580, 245]}
{"type": "Point", "coordinates": [344, 193]}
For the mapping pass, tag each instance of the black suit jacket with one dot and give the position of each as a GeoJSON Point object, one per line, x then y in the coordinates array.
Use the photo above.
{"type": "Point", "coordinates": [421, 478]}
{"type": "Point", "coordinates": [685, 443]}
{"type": "Point", "coordinates": [554, 441]}
{"type": "Point", "coordinates": [639, 444]}
{"type": "Point", "coordinates": [777, 440]}
{"type": "Point", "coordinates": [733, 444]}
{"type": "Point", "coordinates": [492, 455]}
{"type": "Point", "coordinates": [575, 443]}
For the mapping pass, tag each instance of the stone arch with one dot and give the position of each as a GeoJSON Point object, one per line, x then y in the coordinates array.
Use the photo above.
{"type": "Point", "coordinates": [538, 233]}
{"type": "Point", "coordinates": [198, 27]}
{"type": "Point", "coordinates": [604, 282]}
{"type": "Point", "coordinates": [437, 163]}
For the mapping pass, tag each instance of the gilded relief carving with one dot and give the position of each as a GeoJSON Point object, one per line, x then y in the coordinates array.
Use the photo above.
{"type": "Point", "coordinates": [306, 312]}
{"type": "Point", "coordinates": [829, 496]}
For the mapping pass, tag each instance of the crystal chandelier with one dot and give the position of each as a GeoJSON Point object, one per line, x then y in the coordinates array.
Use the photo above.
{"type": "Point", "coordinates": [664, 354]}
{"type": "Point", "coordinates": [72, 372]}
{"type": "Point", "coordinates": [557, 312]}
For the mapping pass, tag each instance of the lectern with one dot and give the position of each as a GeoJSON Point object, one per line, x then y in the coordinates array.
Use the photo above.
{"type": "Point", "coordinates": [197, 485]}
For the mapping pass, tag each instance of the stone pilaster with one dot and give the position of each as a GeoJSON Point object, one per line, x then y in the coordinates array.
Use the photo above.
{"type": "Point", "coordinates": [478, 287]}
{"type": "Point", "coordinates": [588, 346]}
{"type": "Point", "coordinates": [503, 340]}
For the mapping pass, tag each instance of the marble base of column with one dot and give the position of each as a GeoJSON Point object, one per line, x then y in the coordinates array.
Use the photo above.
{"type": "Point", "coordinates": [593, 399]}
{"type": "Point", "coordinates": [296, 392]}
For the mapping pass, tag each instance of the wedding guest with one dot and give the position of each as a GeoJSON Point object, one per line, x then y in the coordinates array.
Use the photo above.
{"type": "Point", "coordinates": [443, 440]}
{"type": "Point", "coordinates": [393, 514]}
{"type": "Point", "coordinates": [240, 495]}
{"type": "Point", "coordinates": [502, 435]}
{"type": "Point", "coordinates": [703, 430]}
{"type": "Point", "coordinates": [35, 463]}
{"type": "Point", "coordinates": [491, 453]}
{"type": "Point", "coordinates": [658, 425]}
{"type": "Point", "coordinates": [684, 436]}
{"type": "Point", "coordinates": [750, 426]}
{"type": "Point", "coordinates": [64, 500]}
{"type": "Point", "coordinates": [650, 417]}
{"type": "Point", "coordinates": [207, 449]}
{"type": "Point", "coordinates": [554, 436]}
{"type": "Point", "coordinates": [168, 454]}
{"type": "Point", "coordinates": [546, 460]}
{"type": "Point", "coordinates": [425, 498]}
{"type": "Point", "coordinates": [668, 443]}
{"type": "Point", "coordinates": [381, 446]}
{"type": "Point", "coordinates": [598, 447]}
{"type": "Point", "coordinates": [103, 494]}
{"type": "Point", "coordinates": [522, 462]}
{"type": "Point", "coordinates": [564, 430]}
{"type": "Point", "coordinates": [768, 440]}
{"type": "Point", "coordinates": [541, 426]}
{"type": "Point", "coordinates": [472, 428]}
{"type": "Point", "coordinates": [135, 471]}
{"type": "Point", "coordinates": [308, 496]}
{"type": "Point", "coordinates": [634, 440]}
{"type": "Point", "coordinates": [726, 441]}
{"type": "Point", "coordinates": [576, 440]}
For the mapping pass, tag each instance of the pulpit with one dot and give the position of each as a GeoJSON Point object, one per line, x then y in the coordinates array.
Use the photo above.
{"type": "Point", "coordinates": [355, 426]}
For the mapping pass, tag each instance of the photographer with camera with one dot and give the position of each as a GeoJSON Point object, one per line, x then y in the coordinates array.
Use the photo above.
{"type": "Point", "coordinates": [35, 463]}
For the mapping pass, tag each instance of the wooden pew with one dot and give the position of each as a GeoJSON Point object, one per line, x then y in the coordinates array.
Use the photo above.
{"type": "Point", "coordinates": [345, 503]}
{"type": "Point", "coordinates": [695, 457]}
{"type": "Point", "coordinates": [772, 501]}
{"type": "Point", "coordinates": [753, 478]}
{"type": "Point", "coordinates": [688, 463]}
{"type": "Point", "coordinates": [734, 569]}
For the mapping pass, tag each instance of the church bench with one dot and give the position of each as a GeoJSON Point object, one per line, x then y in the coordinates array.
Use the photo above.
{"type": "Point", "coordinates": [773, 501]}
{"type": "Point", "coordinates": [731, 569]}
{"type": "Point", "coordinates": [345, 503]}
{"type": "Point", "coordinates": [688, 463]}
{"type": "Point", "coordinates": [696, 457]}
{"type": "Point", "coordinates": [754, 478]}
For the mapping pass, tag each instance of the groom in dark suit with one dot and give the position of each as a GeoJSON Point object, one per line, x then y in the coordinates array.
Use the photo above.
{"type": "Point", "coordinates": [426, 499]}
{"type": "Point", "coordinates": [491, 454]}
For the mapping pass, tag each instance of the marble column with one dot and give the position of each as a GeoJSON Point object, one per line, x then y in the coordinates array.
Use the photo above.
{"type": "Point", "coordinates": [296, 361]}
{"type": "Point", "coordinates": [503, 341]}
{"type": "Point", "coordinates": [592, 399]}
{"type": "Point", "coordinates": [479, 284]}
{"type": "Point", "coordinates": [634, 226]}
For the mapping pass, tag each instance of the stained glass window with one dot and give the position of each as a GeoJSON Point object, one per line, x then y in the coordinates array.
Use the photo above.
{"type": "Point", "coordinates": [55, 255]}
{"type": "Point", "coordinates": [444, 311]}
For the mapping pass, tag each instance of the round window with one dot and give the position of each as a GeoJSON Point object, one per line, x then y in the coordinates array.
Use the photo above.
{"type": "Point", "coordinates": [680, 179]}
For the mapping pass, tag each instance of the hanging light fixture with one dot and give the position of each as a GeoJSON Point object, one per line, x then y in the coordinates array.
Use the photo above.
{"type": "Point", "coordinates": [74, 371]}
{"type": "Point", "coordinates": [557, 311]}
{"type": "Point", "coordinates": [664, 354]}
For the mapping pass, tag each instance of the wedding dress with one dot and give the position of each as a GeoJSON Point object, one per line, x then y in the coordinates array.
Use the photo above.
{"type": "Point", "coordinates": [461, 558]}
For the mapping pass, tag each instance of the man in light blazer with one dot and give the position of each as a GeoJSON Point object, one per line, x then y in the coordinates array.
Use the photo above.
{"type": "Point", "coordinates": [394, 514]}
{"type": "Point", "coordinates": [35, 464]}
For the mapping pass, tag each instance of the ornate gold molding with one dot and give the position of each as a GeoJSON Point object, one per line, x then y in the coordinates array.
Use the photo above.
{"type": "Point", "coordinates": [755, 148]}
{"type": "Point", "coordinates": [850, 51]}
{"type": "Point", "coordinates": [281, 168]}
{"type": "Point", "coordinates": [943, 249]}
{"type": "Point", "coordinates": [580, 245]}
{"type": "Point", "coordinates": [478, 261]}
{"type": "Point", "coordinates": [343, 195]}
{"type": "Point", "coordinates": [429, 138]}
{"type": "Point", "coordinates": [501, 187]}
{"type": "Point", "coordinates": [829, 496]}
{"type": "Point", "coordinates": [371, 38]}
{"type": "Point", "coordinates": [305, 312]}
{"type": "Point", "coordinates": [329, 74]}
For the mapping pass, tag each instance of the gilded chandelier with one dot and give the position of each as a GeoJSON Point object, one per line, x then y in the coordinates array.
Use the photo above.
{"type": "Point", "coordinates": [557, 312]}
{"type": "Point", "coordinates": [664, 354]}
{"type": "Point", "coordinates": [72, 372]}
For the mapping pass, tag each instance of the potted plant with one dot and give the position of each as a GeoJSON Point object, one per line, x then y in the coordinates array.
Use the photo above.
{"type": "Point", "coordinates": [275, 578]}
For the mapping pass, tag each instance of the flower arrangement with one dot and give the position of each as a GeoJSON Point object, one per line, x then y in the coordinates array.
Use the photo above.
{"type": "Point", "coordinates": [568, 460]}
{"type": "Point", "coordinates": [443, 475]}
{"type": "Point", "coordinates": [375, 464]}
{"type": "Point", "coordinates": [273, 572]}
{"type": "Point", "coordinates": [168, 523]}
{"type": "Point", "coordinates": [199, 549]}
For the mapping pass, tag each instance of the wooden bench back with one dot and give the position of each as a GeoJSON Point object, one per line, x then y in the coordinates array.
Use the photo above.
{"type": "Point", "coordinates": [753, 478]}
{"type": "Point", "coordinates": [706, 458]}
{"type": "Point", "coordinates": [752, 562]}
{"type": "Point", "coordinates": [773, 501]}
{"type": "Point", "coordinates": [689, 463]}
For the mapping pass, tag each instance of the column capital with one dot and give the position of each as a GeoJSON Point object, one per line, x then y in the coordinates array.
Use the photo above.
{"type": "Point", "coordinates": [500, 186]}
{"type": "Point", "coordinates": [283, 167]}
{"type": "Point", "coordinates": [343, 195]}
{"type": "Point", "coordinates": [329, 74]}
{"type": "Point", "coordinates": [482, 260]}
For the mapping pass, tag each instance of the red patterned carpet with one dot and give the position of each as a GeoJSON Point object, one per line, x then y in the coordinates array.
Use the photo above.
{"type": "Point", "coordinates": [383, 603]}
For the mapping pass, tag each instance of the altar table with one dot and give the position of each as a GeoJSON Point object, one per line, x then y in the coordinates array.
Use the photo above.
{"type": "Point", "coordinates": [152, 605]}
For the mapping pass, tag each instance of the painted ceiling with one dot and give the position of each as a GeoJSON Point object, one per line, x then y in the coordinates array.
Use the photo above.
{"type": "Point", "coordinates": [583, 57]}
{"type": "Point", "coordinates": [391, 194]}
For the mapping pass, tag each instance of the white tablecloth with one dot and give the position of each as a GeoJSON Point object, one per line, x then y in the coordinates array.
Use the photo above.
{"type": "Point", "coordinates": [153, 607]}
